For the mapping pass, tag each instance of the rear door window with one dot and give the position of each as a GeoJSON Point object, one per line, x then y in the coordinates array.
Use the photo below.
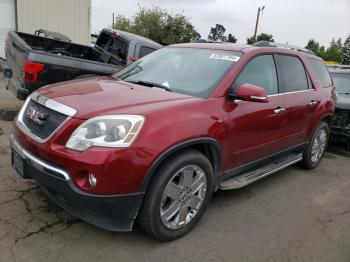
{"type": "Point", "coordinates": [292, 74]}
{"type": "Point", "coordinates": [321, 72]}
{"type": "Point", "coordinates": [260, 71]}
{"type": "Point", "coordinates": [144, 50]}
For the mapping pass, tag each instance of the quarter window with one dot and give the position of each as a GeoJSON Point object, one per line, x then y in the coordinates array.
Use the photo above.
{"type": "Point", "coordinates": [321, 72]}
{"type": "Point", "coordinates": [260, 71]}
{"type": "Point", "coordinates": [292, 74]}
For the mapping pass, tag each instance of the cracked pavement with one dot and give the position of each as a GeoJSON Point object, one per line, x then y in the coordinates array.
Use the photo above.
{"type": "Point", "coordinates": [294, 215]}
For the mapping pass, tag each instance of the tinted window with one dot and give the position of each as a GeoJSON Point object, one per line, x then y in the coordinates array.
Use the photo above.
{"type": "Point", "coordinates": [292, 74]}
{"type": "Point", "coordinates": [145, 51]}
{"type": "Point", "coordinates": [341, 82]}
{"type": "Point", "coordinates": [321, 72]}
{"type": "Point", "coordinates": [260, 71]}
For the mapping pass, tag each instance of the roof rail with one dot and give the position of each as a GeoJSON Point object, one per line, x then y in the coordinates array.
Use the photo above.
{"type": "Point", "coordinates": [292, 47]}
{"type": "Point", "coordinates": [206, 41]}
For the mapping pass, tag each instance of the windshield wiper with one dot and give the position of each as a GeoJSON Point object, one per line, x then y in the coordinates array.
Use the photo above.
{"type": "Point", "coordinates": [345, 93]}
{"type": "Point", "coordinates": [150, 84]}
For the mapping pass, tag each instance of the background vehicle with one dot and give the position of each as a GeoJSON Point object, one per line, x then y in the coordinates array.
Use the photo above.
{"type": "Point", "coordinates": [154, 141]}
{"type": "Point", "coordinates": [34, 61]}
{"type": "Point", "coordinates": [341, 121]}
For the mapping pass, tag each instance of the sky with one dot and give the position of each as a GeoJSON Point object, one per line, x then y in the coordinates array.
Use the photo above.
{"type": "Point", "coordinates": [292, 21]}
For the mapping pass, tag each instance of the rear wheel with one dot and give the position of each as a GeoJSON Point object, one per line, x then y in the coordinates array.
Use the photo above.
{"type": "Point", "coordinates": [316, 147]}
{"type": "Point", "coordinates": [177, 196]}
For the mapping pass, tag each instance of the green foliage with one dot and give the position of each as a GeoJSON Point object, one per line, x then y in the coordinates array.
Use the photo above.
{"type": "Point", "coordinates": [158, 25]}
{"type": "Point", "coordinates": [250, 40]}
{"type": "Point", "coordinates": [217, 33]}
{"type": "Point", "coordinates": [265, 37]}
{"type": "Point", "coordinates": [314, 46]}
{"type": "Point", "coordinates": [333, 53]}
{"type": "Point", "coordinates": [346, 51]}
{"type": "Point", "coordinates": [231, 38]}
{"type": "Point", "coordinates": [336, 52]}
{"type": "Point", "coordinates": [260, 37]}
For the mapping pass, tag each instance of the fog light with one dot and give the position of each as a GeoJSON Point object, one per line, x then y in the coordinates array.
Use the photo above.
{"type": "Point", "coordinates": [92, 180]}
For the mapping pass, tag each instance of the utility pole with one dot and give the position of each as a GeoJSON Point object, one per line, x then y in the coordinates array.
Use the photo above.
{"type": "Point", "coordinates": [260, 10]}
{"type": "Point", "coordinates": [113, 22]}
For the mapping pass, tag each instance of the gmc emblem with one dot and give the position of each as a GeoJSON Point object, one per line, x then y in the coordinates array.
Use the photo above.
{"type": "Point", "coordinates": [35, 115]}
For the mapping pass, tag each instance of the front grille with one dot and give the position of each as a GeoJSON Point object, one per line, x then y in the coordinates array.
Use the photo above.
{"type": "Point", "coordinates": [49, 124]}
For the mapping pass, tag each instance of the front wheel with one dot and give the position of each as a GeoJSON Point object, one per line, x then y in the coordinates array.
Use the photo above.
{"type": "Point", "coordinates": [177, 196]}
{"type": "Point", "coordinates": [316, 146]}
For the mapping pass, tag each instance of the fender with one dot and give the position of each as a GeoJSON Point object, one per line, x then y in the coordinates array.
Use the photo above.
{"type": "Point", "coordinates": [186, 144]}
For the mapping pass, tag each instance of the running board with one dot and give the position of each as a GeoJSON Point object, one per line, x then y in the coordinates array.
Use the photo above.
{"type": "Point", "coordinates": [255, 175]}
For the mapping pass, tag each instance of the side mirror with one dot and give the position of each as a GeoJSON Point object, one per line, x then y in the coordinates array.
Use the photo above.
{"type": "Point", "coordinates": [252, 93]}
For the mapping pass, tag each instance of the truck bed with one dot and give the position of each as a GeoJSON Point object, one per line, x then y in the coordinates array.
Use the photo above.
{"type": "Point", "coordinates": [61, 48]}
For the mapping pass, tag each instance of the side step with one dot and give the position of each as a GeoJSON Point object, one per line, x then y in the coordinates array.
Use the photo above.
{"type": "Point", "coordinates": [264, 171]}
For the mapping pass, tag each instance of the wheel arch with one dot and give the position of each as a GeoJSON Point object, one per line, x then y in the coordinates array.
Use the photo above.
{"type": "Point", "coordinates": [208, 146]}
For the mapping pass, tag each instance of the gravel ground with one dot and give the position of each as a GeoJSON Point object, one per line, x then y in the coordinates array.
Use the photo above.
{"type": "Point", "coordinates": [295, 215]}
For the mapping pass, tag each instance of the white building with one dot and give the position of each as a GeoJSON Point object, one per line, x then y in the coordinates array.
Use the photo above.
{"type": "Point", "coordinates": [69, 17]}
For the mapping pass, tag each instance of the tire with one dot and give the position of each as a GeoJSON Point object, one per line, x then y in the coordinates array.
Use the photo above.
{"type": "Point", "coordinates": [309, 160]}
{"type": "Point", "coordinates": [85, 76]}
{"type": "Point", "coordinates": [157, 204]}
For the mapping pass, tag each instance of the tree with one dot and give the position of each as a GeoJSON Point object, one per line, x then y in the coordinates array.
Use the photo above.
{"type": "Point", "coordinates": [265, 37]}
{"type": "Point", "coordinates": [260, 37]}
{"type": "Point", "coordinates": [346, 51]}
{"type": "Point", "coordinates": [339, 43]}
{"type": "Point", "coordinates": [217, 33]}
{"type": "Point", "coordinates": [231, 38]}
{"type": "Point", "coordinates": [333, 53]}
{"type": "Point", "coordinates": [158, 25]}
{"type": "Point", "coordinates": [313, 46]}
{"type": "Point", "coordinates": [321, 52]}
{"type": "Point", "coordinates": [251, 40]}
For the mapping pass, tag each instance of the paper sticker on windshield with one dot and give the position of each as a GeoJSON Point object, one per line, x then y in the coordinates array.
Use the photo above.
{"type": "Point", "coordinates": [232, 58]}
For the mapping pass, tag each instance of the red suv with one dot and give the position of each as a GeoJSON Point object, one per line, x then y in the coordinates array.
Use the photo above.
{"type": "Point", "coordinates": [152, 143]}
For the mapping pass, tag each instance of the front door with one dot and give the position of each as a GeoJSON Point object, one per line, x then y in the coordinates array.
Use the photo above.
{"type": "Point", "coordinates": [255, 128]}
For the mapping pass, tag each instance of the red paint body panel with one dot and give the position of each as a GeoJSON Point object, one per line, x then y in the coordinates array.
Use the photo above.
{"type": "Point", "coordinates": [246, 131]}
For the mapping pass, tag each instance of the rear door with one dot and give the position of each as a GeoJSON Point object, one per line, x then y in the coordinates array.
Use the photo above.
{"type": "Point", "coordinates": [296, 98]}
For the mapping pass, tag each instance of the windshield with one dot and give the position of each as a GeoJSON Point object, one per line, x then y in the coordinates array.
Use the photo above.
{"type": "Point", "coordinates": [342, 83]}
{"type": "Point", "coordinates": [189, 71]}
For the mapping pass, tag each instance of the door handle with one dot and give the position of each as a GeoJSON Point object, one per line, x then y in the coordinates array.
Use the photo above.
{"type": "Point", "coordinates": [279, 110]}
{"type": "Point", "coordinates": [313, 103]}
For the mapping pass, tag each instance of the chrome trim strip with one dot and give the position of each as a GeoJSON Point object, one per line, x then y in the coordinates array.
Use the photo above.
{"type": "Point", "coordinates": [61, 108]}
{"type": "Point", "coordinates": [287, 93]}
{"type": "Point", "coordinates": [36, 161]}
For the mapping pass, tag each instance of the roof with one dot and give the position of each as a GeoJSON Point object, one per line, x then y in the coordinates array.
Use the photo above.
{"type": "Point", "coordinates": [130, 36]}
{"type": "Point", "coordinates": [244, 48]}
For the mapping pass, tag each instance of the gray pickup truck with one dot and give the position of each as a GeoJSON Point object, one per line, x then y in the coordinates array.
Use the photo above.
{"type": "Point", "coordinates": [34, 61]}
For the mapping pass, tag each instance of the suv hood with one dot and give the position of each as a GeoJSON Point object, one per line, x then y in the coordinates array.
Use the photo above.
{"type": "Point", "coordinates": [343, 101]}
{"type": "Point", "coordinates": [98, 96]}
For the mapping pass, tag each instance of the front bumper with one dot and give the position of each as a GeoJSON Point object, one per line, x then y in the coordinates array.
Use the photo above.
{"type": "Point", "coordinates": [112, 212]}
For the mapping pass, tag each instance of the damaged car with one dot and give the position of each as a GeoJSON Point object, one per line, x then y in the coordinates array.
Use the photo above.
{"type": "Point", "coordinates": [340, 125]}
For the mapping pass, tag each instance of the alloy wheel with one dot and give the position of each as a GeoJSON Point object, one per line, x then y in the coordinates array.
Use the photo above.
{"type": "Point", "coordinates": [319, 145]}
{"type": "Point", "coordinates": [183, 197]}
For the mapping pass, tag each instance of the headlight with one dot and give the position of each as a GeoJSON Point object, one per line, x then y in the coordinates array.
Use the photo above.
{"type": "Point", "coordinates": [106, 131]}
